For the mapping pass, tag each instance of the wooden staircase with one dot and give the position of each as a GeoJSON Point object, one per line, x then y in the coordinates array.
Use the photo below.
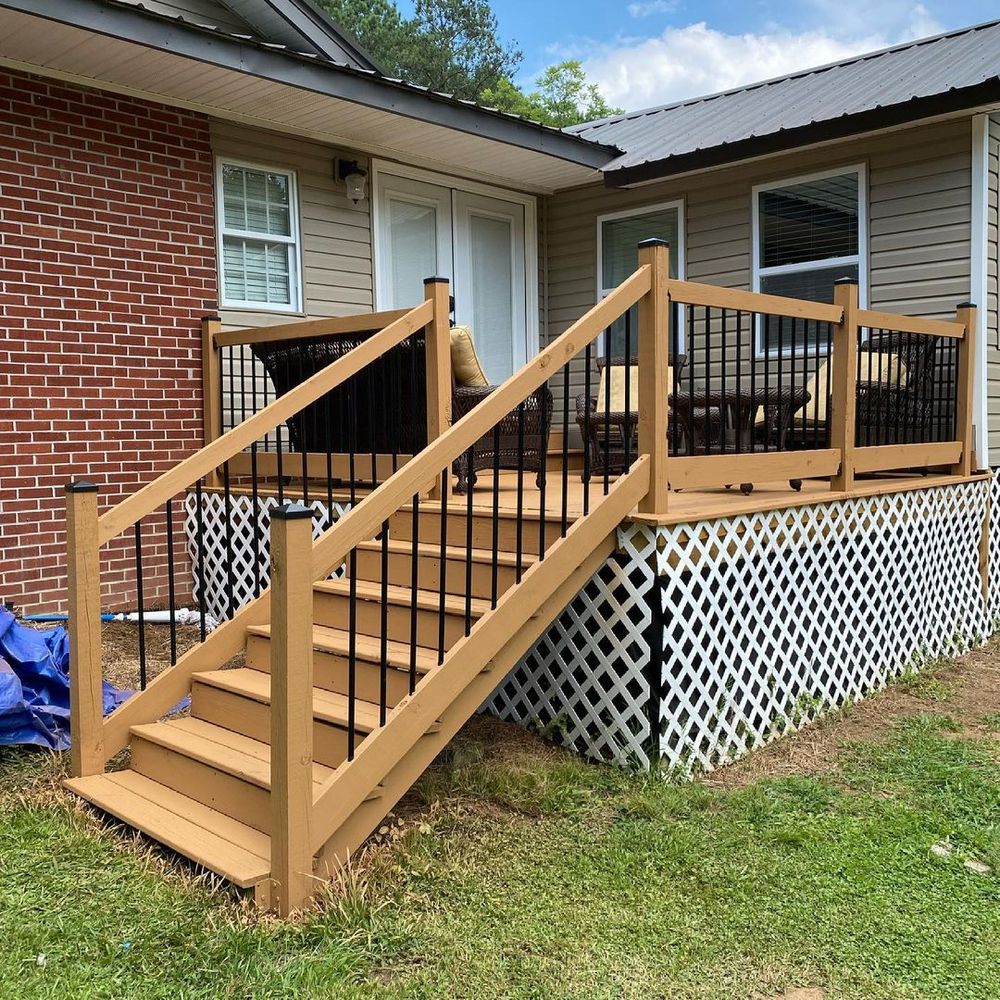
{"type": "Point", "coordinates": [201, 784]}
{"type": "Point", "coordinates": [319, 702]}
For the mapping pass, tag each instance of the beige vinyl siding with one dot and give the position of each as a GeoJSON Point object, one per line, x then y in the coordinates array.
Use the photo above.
{"type": "Point", "coordinates": [992, 345]}
{"type": "Point", "coordinates": [919, 187]}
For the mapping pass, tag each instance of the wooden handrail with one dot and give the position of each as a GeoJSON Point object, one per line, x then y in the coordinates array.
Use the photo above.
{"type": "Point", "coordinates": [877, 320]}
{"type": "Point", "coordinates": [694, 294]}
{"type": "Point", "coordinates": [363, 521]}
{"type": "Point", "coordinates": [330, 326]}
{"type": "Point", "coordinates": [113, 522]}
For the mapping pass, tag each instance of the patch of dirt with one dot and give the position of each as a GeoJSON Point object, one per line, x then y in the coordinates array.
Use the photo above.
{"type": "Point", "coordinates": [120, 650]}
{"type": "Point", "coordinates": [967, 690]}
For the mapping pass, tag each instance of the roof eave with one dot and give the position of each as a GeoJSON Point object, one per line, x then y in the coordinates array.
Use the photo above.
{"type": "Point", "coordinates": [962, 99]}
{"type": "Point", "coordinates": [137, 25]}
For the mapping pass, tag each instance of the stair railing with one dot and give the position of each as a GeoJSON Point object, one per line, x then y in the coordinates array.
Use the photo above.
{"type": "Point", "coordinates": [154, 561]}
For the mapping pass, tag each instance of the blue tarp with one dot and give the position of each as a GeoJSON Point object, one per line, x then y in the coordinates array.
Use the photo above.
{"type": "Point", "coordinates": [34, 685]}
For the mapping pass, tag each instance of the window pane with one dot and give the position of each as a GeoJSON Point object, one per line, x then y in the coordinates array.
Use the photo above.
{"type": "Point", "coordinates": [813, 285]}
{"type": "Point", "coordinates": [492, 294]}
{"type": "Point", "coordinates": [256, 201]}
{"type": "Point", "coordinates": [620, 239]}
{"type": "Point", "coordinates": [256, 271]}
{"type": "Point", "coordinates": [814, 220]}
{"type": "Point", "coordinates": [412, 246]}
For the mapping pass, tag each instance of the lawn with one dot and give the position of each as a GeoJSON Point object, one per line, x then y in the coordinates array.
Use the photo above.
{"type": "Point", "coordinates": [515, 870]}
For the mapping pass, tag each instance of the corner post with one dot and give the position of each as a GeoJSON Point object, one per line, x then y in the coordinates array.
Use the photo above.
{"type": "Point", "coordinates": [966, 315]}
{"type": "Point", "coordinates": [291, 706]}
{"type": "Point", "coordinates": [86, 698]}
{"type": "Point", "coordinates": [654, 362]}
{"type": "Point", "coordinates": [844, 382]}
{"type": "Point", "coordinates": [211, 385]}
{"type": "Point", "coordinates": [437, 340]}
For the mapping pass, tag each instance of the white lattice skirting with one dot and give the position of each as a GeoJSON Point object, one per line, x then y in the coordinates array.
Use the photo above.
{"type": "Point", "coordinates": [757, 624]}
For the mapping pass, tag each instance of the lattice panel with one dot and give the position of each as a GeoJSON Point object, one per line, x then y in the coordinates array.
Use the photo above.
{"type": "Point", "coordinates": [585, 682]}
{"type": "Point", "coordinates": [993, 554]}
{"type": "Point", "coordinates": [251, 552]}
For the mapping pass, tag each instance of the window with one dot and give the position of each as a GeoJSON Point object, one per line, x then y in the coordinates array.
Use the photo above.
{"type": "Point", "coordinates": [807, 233]}
{"type": "Point", "coordinates": [258, 236]}
{"type": "Point", "coordinates": [618, 239]}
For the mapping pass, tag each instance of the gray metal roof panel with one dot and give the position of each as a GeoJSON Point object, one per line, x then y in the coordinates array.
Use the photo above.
{"type": "Point", "coordinates": [922, 69]}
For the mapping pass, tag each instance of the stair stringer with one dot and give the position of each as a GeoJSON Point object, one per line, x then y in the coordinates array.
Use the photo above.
{"type": "Point", "coordinates": [394, 756]}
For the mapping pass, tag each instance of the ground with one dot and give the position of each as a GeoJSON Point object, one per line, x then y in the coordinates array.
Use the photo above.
{"type": "Point", "coordinates": [857, 859]}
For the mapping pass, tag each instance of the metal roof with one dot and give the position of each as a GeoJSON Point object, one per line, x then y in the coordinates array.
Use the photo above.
{"type": "Point", "coordinates": [954, 70]}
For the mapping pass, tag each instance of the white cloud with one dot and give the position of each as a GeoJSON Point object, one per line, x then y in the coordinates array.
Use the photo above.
{"type": "Point", "coordinates": [651, 7]}
{"type": "Point", "coordinates": [697, 59]}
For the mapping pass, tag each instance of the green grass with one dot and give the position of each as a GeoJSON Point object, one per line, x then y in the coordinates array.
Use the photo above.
{"type": "Point", "coordinates": [530, 874]}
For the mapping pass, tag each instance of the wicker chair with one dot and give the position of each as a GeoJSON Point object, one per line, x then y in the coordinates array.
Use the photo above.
{"type": "Point", "coordinates": [884, 413]}
{"type": "Point", "coordinates": [383, 409]}
{"type": "Point", "coordinates": [606, 433]}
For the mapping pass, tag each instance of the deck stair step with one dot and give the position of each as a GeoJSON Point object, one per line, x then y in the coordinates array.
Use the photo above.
{"type": "Point", "coordinates": [208, 837]}
{"type": "Point", "coordinates": [426, 600]}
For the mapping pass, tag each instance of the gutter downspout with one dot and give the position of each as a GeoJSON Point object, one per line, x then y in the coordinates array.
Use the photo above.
{"type": "Point", "coordinates": [979, 252]}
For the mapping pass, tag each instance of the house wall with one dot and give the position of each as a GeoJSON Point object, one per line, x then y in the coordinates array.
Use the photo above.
{"type": "Point", "coordinates": [107, 263]}
{"type": "Point", "coordinates": [919, 187]}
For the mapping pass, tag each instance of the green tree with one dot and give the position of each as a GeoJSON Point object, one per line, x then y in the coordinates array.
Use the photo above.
{"type": "Point", "coordinates": [563, 97]}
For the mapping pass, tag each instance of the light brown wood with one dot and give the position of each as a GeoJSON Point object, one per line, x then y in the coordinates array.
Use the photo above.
{"type": "Point", "coordinates": [438, 349]}
{"type": "Point", "coordinates": [843, 388]}
{"type": "Point", "coordinates": [654, 364]}
{"type": "Point", "coordinates": [887, 457]}
{"type": "Point", "coordinates": [364, 521]}
{"type": "Point", "coordinates": [291, 707]}
{"type": "Point", "coordinates": [316, 466]}
{"type": "Point", "coordinates": [185, 474]}
{"type": "Point", "coordinates": [875, 320]}
{"type": "Point", "coordinates": [729, 470]}
{"type": "Point", "coordinates": [328, 327]}
{"type": "Point", "coordinates": [692, 293]}
{"type": "Point", "coordinates": [967, 316]}
{"type": "Point", "coordinates": [86, 700]}
{"type": "Point", "coordinates": [409, 720]}
{"type": "Point", "coordinates": [211, 386]}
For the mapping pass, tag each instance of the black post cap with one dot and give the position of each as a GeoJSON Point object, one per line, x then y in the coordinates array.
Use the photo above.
{"type": "Point", "coordinates": [967, 305]}
{"type": "Point", "coordinates": [210, 317]}
{"type": "Point", "coordinates": [81, 487]}
{"type": "Point", "coordinates": [846, 281]}
{"type": "Point", "coordinates": [653, 242]}
{"type": "Point", "coordinates": [435, 281]}
{"type": "Point", "coordinates": [291, 512]}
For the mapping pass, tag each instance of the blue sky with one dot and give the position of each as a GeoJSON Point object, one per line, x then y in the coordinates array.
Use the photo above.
{"type": "Point", "coordinates": [645, 52]}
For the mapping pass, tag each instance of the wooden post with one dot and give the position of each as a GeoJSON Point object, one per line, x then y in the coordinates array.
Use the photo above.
{"type": "Point", "coordinates": [86, 699]}
{"type": "Point", "coordinates": [291, 706]}
{"type": "Point", "coordinates": [211, 386]}
{"type": "Point", "coordinates": [438, 354]}
{"type": "Point", "coordinates": [654, 361]}
{"type": "Point", "coordinates": [967, 316]}
{"type": "Point", "coordinates": [844, 382]}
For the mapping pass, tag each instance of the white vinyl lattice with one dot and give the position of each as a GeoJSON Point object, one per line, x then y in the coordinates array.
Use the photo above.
{"type": "Point", "coordinates": [229, 584]}
{"type": "Point", "coordinates": [766, 621]}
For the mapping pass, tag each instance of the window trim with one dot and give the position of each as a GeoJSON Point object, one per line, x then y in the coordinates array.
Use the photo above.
{"type": "Point", "coordinates": [861, 258]}
{"type": "Point", "coordinates": [293, 242]}
{"type": "Point", "coordinates": [659, 206]}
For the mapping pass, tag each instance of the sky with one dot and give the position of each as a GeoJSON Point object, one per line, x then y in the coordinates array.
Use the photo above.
{"type": "Point", "coordinates": [647, 52]}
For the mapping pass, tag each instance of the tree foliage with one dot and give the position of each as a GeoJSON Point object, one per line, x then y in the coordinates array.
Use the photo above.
{"type": "Point", "coordinates": [453, 46]}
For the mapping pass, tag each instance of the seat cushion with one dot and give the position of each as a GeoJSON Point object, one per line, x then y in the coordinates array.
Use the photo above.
{"type": "Point", "coordinates": [617, 376]}
{"type": "Point", "coordinates": [465, 363]}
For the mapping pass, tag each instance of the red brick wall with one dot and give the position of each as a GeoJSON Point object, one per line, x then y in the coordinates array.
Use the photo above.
{"type": "Point", "coordinates": [107, 262]}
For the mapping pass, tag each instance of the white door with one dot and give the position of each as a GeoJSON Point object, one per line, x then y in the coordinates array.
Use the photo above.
{"type": "Point", "coordinates": [413, 239]}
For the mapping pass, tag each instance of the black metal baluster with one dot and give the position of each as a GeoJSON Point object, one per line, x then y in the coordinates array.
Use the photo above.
{"type": "Point", "coordinates": [255, 520]}
{"type": "Point", "coordinates": [352, 651]}
{"type": "Point", "coordinates": [587, 421]}
{"type": "Point", "coordinates": [371, 423]}
{"type": "Point", "coordinates": [708, 377]}
{"type": "Point", "coordinates": [200, 542]}
{"type": "Point", "coordinates": [564, 512]}
{"type": "Point", "coordinates": [899, 428]}
{"type": "Point", "coordinates": [675, 345]}
{"type": "Point", "coordinates": [627, 425]}
{"type": "Point", "coordinates": [724, 359]}
{"type": "Point", "coordinates": [780, 379]}
{"type": "Point", "coordinates": [766, 325]}
{"type": "Point", "coordinates": [230, 569]}
{"type": "Point", "coordinates": [140, 605]}
{"type": "Point", "coordinates": [329, 458]}
{"type": "Point", "coordinates": [738, 436]}
{"type": "Point", "coordinates": [470, 465]}
{"type": "Point", "coordinates": [171, 587]}
{"type": "Point", "coordinates": [444, 559]}
{"type": "Point", "coordinates": [352, 440]}
{"type": "Point", "coordinates": [754, 327]}
{"type": "Point", "coordinates": [607, 411]}
{"type": "Point", "coordinates": [691, 365]}
{"type": "Point", "coordinates": [520, 486]}
{"type": "Point", "coordinates": [414, 584]}
{"type": "Point", "coordinates": [383, 659]}
{"type": "Point", "coordinates": [495, 541]}
{"type": "Point", "coordinates": [304, 423]}
{"type": "Point", "coordinates": [874, 392]}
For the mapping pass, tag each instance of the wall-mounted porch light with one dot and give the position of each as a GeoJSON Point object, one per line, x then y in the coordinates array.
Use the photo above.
{"type": "Point", "coordinates": [354, 177]}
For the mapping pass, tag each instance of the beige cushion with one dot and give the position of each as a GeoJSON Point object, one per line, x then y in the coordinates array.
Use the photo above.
{"type": "Point", "coordinates": [617, 376]}
{"type": "Point", "coordinates": [464, 360]}
{"type": "Point", "coordinates": [883, 369]}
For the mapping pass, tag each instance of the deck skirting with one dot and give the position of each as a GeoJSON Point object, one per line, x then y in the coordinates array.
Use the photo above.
{"type": "Point", "coordinates": [699, 642]}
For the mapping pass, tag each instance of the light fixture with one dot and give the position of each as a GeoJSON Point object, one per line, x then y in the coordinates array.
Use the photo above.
{"type": "Point", "coordinates": [355, 179]}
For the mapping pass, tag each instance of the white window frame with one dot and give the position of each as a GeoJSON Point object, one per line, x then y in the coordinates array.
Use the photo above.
{"type": "Point", "coordinates": [388, 169]}
{"type": "Point", "coordinates": [660, 206]}
{"type": "Point", "coordinates": [293, 242]}
{"type": "Point", "coordinates": [861, 258]}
